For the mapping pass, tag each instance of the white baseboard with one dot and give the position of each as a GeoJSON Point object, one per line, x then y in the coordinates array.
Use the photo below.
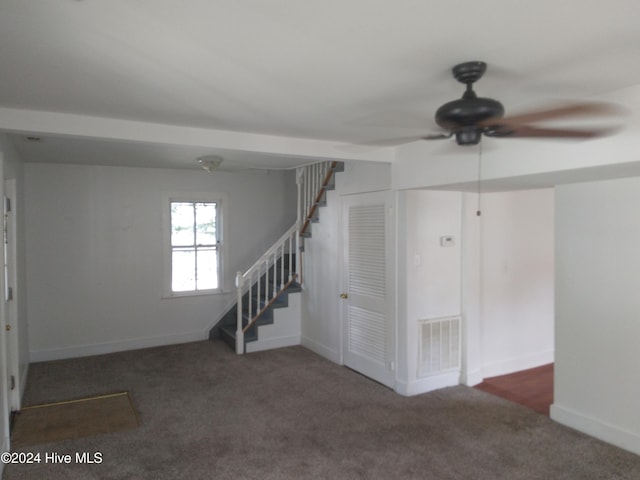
{"type": "Point", "coordinates": [428, 384]}
{"type": "Point", "coordinates": [116, 346]}
{"type": "Point", "coordinates": [515, 364]}
{"type": "Point", "coordinates": [271, 343]}
{"type": "Point", "coordinates": [471, 378]}
{"type": "Point", "coordinates": [321, 350]}
{"type": "Point", "coordinates": [608, 433]}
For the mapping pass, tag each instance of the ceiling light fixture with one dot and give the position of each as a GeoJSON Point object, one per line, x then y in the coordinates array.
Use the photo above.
{"type": "Point", "coordinates": [210, 162]}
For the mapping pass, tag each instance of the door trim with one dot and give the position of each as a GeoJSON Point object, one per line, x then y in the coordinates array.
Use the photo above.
{"type": "Point", "coordinates": [11, 279]}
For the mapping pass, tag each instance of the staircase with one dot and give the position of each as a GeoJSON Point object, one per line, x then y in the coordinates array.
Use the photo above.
{"type": "Point", "coordinates": [255, 306]}
{"type": "Point", "coordinates": [267, 284]}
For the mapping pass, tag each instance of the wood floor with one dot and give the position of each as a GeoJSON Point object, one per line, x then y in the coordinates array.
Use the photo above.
{"type": "Point", "coordinates": [532, 388]}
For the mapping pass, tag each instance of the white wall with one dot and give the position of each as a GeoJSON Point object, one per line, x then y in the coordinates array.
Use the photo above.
{"type": "Point", "coordinates": [95, 260]}
{"type": "Point", "coordinates": [498, 274]}
{"type": "Point", "coordinates": [517, 287]}
{"type": "Point", "coordinates": [433, 270]}
{"type": "Point", "coordinates": [321, 329]}
{"type": "Point", "coordinates": [429, 277]}
{"type": "Point", "coordinates": [597, 310]}
{"type": "Point", "coordinates": [471, 255]}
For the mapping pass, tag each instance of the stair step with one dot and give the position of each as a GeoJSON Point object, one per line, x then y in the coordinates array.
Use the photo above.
{"type": "Point", "coordinates": [322, 200]}
{"type": "Point", "coordinates": [227, 331]}
{"type": "Point", "coordinates": [280, 302]}
{"type": "Point", "coordinates": [265, 319]}
{"type": "Point", "coordinates": [228, 335]}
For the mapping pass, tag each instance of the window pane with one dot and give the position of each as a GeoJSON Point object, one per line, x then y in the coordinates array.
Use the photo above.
{"type": "Point", "coordinates": [182, 223]}
{"type": "Point", "coordinates": [183, 270]}
{"type": "Point", "coordinates": [205, 223]}
{"type": "Point", "coordinates": [207, 268]}
{"type": "Point", "coordinates": [194, 247]}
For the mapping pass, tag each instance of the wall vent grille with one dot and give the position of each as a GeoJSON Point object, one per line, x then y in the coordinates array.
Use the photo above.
{"type": "Point", "coordinates": [439, 346]}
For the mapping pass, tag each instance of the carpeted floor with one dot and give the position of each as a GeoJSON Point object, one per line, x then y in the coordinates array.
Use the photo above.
{"type": "Point", "coordinates": [288, 414]}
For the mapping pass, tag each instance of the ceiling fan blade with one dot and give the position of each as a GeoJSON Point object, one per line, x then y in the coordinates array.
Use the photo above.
{"type": "Point", "coordinates": [574, 110]}
{"type": "Point", "coordinates": [527, 131]}
{"type": "Point", "coordinates": [437, 136]}
{"type": "Point", "coordinates": [392, 142]}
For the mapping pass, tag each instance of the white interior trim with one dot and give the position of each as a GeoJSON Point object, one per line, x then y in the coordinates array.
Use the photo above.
{"type": "Point", "coordinates": [428, 384]}
{"type": "Point", "coordinates": [516, 364]}
{"type": "Point", "coordinates": [112, 347]}
{"type": "Point", "coordinates": [591, 426]}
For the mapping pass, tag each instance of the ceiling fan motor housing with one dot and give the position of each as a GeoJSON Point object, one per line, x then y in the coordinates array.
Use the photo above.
{"type": "Point", "coordinates": [466, 112]}
{"type": "Point", "coordinates": [470, 117]}
{"type": "Point", "coordinates": [462, 116]}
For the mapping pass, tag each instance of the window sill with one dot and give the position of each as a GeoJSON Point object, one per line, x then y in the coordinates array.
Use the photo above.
{"type": "Point", "coordinates": [195, 293]}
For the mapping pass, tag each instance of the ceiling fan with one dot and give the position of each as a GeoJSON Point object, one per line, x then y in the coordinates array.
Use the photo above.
{"type": "Point", "coordinates": [470, 117]}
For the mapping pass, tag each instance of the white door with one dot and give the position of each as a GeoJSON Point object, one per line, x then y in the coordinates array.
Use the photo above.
{"type": "Point", "coordinates": [368, 299]}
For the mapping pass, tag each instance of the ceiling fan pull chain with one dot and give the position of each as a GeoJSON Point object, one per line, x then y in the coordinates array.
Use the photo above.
{"type": "Point", "coordinates": [479, 188]}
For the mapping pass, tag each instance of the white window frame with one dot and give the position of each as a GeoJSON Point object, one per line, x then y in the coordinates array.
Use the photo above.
{"type": "Point", "coordinates": [191, 197]}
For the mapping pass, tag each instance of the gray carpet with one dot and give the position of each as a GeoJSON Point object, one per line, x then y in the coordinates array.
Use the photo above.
{"type": "Point", "coordinates": [289, 414]}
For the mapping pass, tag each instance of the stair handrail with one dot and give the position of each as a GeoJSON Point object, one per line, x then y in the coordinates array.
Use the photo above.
{"type": "Point", "coordinates": [245, 280]}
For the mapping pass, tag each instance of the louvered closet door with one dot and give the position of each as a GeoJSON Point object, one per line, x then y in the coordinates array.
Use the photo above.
{"type": "Point", "coordinates": [368, 306]}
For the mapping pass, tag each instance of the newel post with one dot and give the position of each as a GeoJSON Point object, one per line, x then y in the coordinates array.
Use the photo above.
{"type": "Point", "coordinates": [239, 332]}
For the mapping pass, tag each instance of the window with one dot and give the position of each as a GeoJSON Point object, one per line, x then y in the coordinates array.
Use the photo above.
{"type": "Point", "coordinates": [194, 246]}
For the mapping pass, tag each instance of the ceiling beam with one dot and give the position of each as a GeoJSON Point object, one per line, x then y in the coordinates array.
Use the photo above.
{"type": "Point", "coordinates": [73, 125]}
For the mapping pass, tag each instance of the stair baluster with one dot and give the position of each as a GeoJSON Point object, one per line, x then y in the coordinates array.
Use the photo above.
{"type": "Point", "coordinates": [313, 182]}
{"type": "Point", "coordinates": [256, 281]}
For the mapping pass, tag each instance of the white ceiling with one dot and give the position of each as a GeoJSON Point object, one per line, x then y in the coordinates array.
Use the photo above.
{"type": "Point", "coordinates": [160, 82]}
